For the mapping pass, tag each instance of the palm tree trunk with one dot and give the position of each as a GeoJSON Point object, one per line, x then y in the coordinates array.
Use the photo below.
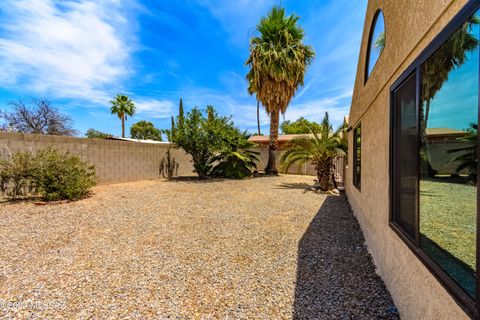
{"type": "Point", "coordinates": [273, 145]}
{"type": "Point", "coordinates": [427, 169]}
{"type": "Point", "coordinates": [258, 116]}
{"type": "Point", "coordinates": [123, 127]}
{"type": "Point", "coordinates": [427, 113]}
{"type": "Point", "coordinates": [324, 175]}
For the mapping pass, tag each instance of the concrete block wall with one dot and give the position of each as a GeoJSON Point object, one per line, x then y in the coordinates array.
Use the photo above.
{"type": "Point", "coordinates": [122, 161]}
{"type": "Point", "coordinates": [115, 161]}
{"type": "Point", "coordinates": [307, 169]}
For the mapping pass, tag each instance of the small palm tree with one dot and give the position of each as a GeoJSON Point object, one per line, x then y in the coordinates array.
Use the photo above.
{"type": "Point", "coordinates": [278, 62]}
{"type": "Point", "coordinates": [122, 106]}
{"type": "Point", "coordinates": [320, 149]}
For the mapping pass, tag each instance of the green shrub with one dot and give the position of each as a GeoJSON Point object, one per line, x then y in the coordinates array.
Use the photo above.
{"type": "Point", "coordinates": [235, 160]}
{"type": "Point", "coordinates": [59, 176]}
{"type": "Point", "coordinates": [217, 147]}
{"type": "Point", "coordinates": [16, 172]}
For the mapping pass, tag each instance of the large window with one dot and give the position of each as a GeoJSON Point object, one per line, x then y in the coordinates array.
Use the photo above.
{"type": "Point", "coordinates": [435, 112]}
{"type": "Point", "coordinates": [357, 156]}
{"type": "Point", "coordinates": [376, 42]}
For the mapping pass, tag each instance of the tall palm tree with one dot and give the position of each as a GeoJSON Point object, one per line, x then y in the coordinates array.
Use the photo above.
{"type": "Point", "coordinates": [278, 62]}
{"type": "Point", "coordinates": [320, 149]}
{"type": "Point", "coordinates": [122, 106]}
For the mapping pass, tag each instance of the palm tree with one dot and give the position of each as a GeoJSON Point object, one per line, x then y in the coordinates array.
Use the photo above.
{"type": "Point", "coordinates": [380, 41]}
{"type": "Point", "coordinates": [451, 55]}
{"type": "Point", "coordinates": [320, 149]}
{"type": "Point", "coordinates": [278, 62]}
{"type": "Point", "coordinates": [435, 72]}
{"type": "Point", "coordinates": [122, 106]}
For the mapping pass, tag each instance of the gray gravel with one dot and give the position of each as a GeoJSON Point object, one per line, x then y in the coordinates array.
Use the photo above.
{"type": "Point", "coordinates": [252, 249]}
{"type": "Point", "coordinates": [336, 276]}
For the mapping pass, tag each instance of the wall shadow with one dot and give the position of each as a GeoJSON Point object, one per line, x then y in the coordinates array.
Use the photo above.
{"type": "Point", "coordinates": [336, 276]}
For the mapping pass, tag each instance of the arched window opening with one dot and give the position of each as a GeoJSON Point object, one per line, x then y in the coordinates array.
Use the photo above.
{"type": "Point", "coordinates": [376, 42]}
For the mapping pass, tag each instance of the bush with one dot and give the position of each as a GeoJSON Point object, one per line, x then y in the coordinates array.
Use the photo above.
{"type": "Point", "coordinates": [235, 159]}
{"type": "Point", "coordinates": [217, 147]}
{"type": "Point", "coordinates": [50, 173]}
{"type": "Point", "coordinates": [59, 176]}
{"type": "Point", "coordinates": [16, 171]}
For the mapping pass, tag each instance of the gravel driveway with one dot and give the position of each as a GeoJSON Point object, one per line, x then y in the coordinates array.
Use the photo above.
{"type": "Point", "coordinates": [255, 249]}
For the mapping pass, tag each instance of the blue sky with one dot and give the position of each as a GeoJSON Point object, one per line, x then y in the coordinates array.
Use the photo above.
{"type": "Point", "coordinates": [81, 53]}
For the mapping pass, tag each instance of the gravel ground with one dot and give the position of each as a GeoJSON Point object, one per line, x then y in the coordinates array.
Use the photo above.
{"type": "Point", "coordinates": [262, 248]}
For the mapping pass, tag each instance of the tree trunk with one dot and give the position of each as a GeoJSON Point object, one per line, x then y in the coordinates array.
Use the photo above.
{"type": "Point", "coordinates": [258, 116]}
{"type": "Point", "coordinates": [426, 168]}
{"type": "Point", "coordinates": [123, 127]}
{"type": "Point", "coordinates": [273, 145]}
{"type": "Point", "coordinates": [324, 175]}
{"type": "Point", "coordinates": [427, 113]}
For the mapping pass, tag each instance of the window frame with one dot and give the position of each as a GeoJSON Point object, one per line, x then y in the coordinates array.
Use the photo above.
{"type": "Point", "coordinates": [468, 304]}
{"type": "Point", "coordinates": [357, 176]}
{"type": "Point", "coordinates": [370, 39]}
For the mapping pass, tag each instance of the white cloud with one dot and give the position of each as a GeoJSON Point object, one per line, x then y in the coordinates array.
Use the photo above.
{"type": "Point", "coordinates": [66, 49]}
{"type": "Point", "coordinates": [158, 109]}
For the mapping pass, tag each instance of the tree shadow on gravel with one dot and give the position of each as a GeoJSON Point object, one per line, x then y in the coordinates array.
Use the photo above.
{"type": "Point", "coordinates": [194, 179]}
{"type": "Point", "coordinates": [336, 276]}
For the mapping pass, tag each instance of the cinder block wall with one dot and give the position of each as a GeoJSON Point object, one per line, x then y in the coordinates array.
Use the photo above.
{"type": "Point", "coordinates": [307, 169]}
{"type": "Point", "coordinates": [122, 161]}
{"type": "Point", "coordinates": [115, 161]}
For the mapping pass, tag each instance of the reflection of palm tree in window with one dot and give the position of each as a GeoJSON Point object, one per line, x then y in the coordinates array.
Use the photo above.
{"type": "Point", "coordinates": [468, 157]}
{"type": "Point", "coordinates": [380, 42]}
{"type": "Point", "coordinates": [451, 55]}
{"type": "Point", "coordinates": [435, 72]}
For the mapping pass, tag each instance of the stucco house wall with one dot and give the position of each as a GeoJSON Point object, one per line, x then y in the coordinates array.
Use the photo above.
{"type": "Point", "coordinates": [410, 25]}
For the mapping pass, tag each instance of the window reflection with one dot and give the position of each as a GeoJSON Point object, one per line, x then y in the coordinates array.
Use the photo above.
{"type": "Point", "coordinates": [357, 136]}
{"type": "Point", "coordinates": [377, 42]}
{"type": "Point", "coordinates": [448, 134]}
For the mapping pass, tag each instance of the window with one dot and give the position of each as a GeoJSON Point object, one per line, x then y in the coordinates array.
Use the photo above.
{"type": "Point", "coordinates": [357, 156]}
{"type": "Point", "coordinates": [376, 42]}
{"type": "Point", "coordinates": [434, 161]}
{"type": "Point", "coordinates": [405, 166]}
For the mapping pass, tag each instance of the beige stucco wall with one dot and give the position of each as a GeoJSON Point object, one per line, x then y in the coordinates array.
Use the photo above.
{"type": "Point", "coordinates": [115, 161]}
{"type": "Point", "coordinates": [410, 26]}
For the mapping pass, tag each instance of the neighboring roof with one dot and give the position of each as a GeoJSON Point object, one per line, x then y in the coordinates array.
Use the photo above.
{"type": "Point", "coordinates": [444, 132]}
{"type": "Point", "coordinates": [137, 140]}
{"type": "Point", "coordinates": [281, 138]}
